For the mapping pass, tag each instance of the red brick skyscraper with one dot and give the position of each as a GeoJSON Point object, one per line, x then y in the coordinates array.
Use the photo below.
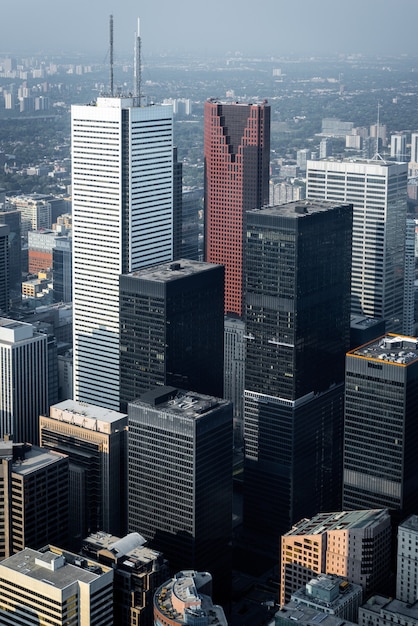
{"type": "Point", "coordinates": [237, 160]}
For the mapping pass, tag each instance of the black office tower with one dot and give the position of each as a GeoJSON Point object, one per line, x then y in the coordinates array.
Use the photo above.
{"type": "Point", "coordinates": [171, 328]}
{"type": "Point", "coordinates": [4, 270]}
{"type": "Point", "coordinates": [298, 263]}
{"type": "Point", "coordinates": [180, 478]}
{"type": "Point", "coordinates": [381, 426]}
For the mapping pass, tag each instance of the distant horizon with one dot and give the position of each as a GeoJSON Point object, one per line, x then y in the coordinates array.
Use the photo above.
{"type": "Point", "coordinates": [274, 28]}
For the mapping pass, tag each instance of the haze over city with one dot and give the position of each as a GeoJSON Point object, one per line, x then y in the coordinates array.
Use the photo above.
{"type": "Point", "coordinates": [275, 27]}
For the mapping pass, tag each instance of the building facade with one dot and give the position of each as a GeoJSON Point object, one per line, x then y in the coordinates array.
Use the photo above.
{"type": "Point", "coordinates": [237, 159]}
{"type": "Point", "coordinates": [407, 561]}
{"type": "Point", "coordinates": [377, 190]}
{"type": "Point", "coordinates": [381, 399]}
{"type": "Point", "coordinates": [352, 544]}
{"type": "Point", "coordinates": [62, 270]}
{"type": "Point", "coordinates": [122, 183]}
{"type": "Point", "coordinates": [95, 440]}
{"type": "Point", "coordinates": [171, 318]}
{"type": "Point", "coordinates": [11, 218]}
{"type": "Point", "coordinates": [297, 329]}
{"type": "Point", "coordinates": [180, 477]}
{"type": "Point", "coordinates": [24, 384]}
{"type": "Point", "coordinates": [4, 269]}
{"type": "Point", "coordinates": [54, 588]}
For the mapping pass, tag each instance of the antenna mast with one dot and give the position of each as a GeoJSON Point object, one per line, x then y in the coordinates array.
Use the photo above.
{"type": "Point", "coordinates": [376, 154]}
{"type": "Point", "coordinates": [111, 54]}
{"type": "Point", "coordinates": [137, 66]}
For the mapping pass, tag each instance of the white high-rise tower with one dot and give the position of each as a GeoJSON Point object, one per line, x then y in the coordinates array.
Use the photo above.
{"type": "Point", "coordinates": [122, 186]}
{"type": "Point", "coordinates": [377, 190]}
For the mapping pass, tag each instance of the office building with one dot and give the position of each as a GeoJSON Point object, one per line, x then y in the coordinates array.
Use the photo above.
{"type": "Point", "coordinates": [305, 616]}
{"type": "Point", "coordinates": [192, 208]}
{"type": "Point", "coordinates": [297, 328]}
{"type": "Point", "coordinates": [352, 544]}
{"type": "Point", "coordinates": [53, 587]}
{"type": "Point", "coordinates": [24, 389]}
{"type": "Point", "coordinates": [413, 160]}
{"type": "Point", "coordinates": [237, 160]}
{"type": "Point", "coordinates": [171, 318]}
{"type": "Point", "coordinates": [95, 440]}
{"type": "Point", "coordinates": [35, 211]}
{"type": "Point", "coordinates": [11, 218]}
{"type": "Point", "coordinates": [41, 244]}
{"type": "Point", "coordinates": [364, 329]}
{"type": "Point", "coordinates": [398, 147]}
{"type": "Point", "coordinates": [186, 599]}
{"type": "Point", "coordinates": [62, 269]}
{"type": "Point", "coordinates": [4, 269]}
{"type": "Point", "coordinates": [34, 504]}
{"type": "Point", "coordinates": [122, 183]}
{"type": "Point", "coordinates": [380, 426]}
{"type": "Point", "coordinates": [385, 611]}
{"type": "Point", "coordinates": [377, 190]}
{"type": "Point", "coordinates": [407, 561]}
{"type": "Point", "coordinates": [177, 205]}
{"type": "Point", "coordinates": [332, 594]}
{"type": "Point", "coordinates": [325, 148]}
{"type": "Point", "coordinates": [138, 572]}
{"type": "Point", "coordinates": [234, 371]}
{"type": "Point", "coordinates": [180, 477]}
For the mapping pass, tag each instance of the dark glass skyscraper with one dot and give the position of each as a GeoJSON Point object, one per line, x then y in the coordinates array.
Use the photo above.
{"type": "Point", "coordinates": [297, 285]}
{"type": "Point", "coordinates": [171, 318]}
{"type": "Point", "coordinates": [180, 477]}
{"type": "Point", "coordinates": [381, 426]}
{"type": "Point", "coordinates": [237, 160]}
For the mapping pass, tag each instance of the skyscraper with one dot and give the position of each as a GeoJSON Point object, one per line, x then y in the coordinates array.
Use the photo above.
{"type": "Point", "coordinates": [237, 159]}
{"type": "Point", "coordinates": [95, 440]}
{"type": "Point", "coordinates": [11, 218]}
{"type": "Point", "coordinates": [172, 319]}
{"type": "Point", "coordinates": [180, 477]}
{"type": "Point", "coordinates": [377, 190]}
{"type": "Point", "coordinates": [298, 259]}
{"type": "Point", "coordinates": [407, 560]}
{"type": "Point", "coordinates": [380, 426]}
{"type": "Point", "coordinates": [122, 168]}
{"type": "Point", "coordinates": [4, 269]}
{"type": "Point", "coordinates": [24, 388]}
{"type": "Point", "coordinates": [398, 147]}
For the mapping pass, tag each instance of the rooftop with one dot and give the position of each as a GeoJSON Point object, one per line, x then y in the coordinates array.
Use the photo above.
{"type": "Point", "coordinates": [187, 404]}
{"type": "Point", "coordinates": [85, 415]}
{"type": "Point", "coordinates": [49, 568]}
{"type": "Point", "coordinates": [411, 523]}
{"type": "Point", "coordinates": [35, 459]}
{"type": "Point", "coordinates": [396, 349]}
{"type": "Point", "coordinates": [132, 546]}
{"type": "Point", "coordinates": [299, 208]}
{"type": "Point", "coordinates": [166, 272]}
{"type": "Point", "coordinates": [336, 521]}
{"type": "Point", "coordinates": [381, 604]}
{"type": "Point", "coordinates": [311, 616]}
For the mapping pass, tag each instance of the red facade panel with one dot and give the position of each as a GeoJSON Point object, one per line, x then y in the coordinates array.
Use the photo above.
{"type": "Point", "coordinates": [237, 161]}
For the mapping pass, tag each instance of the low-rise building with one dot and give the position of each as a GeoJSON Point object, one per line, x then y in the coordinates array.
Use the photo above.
{"type": "Point", "coordinates": [331, 594]}
{"type": "Point", "coordinates": [382, 611]}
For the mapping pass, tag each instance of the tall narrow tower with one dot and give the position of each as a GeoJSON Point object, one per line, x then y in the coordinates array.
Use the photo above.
{"type": "Point", "coordinates": [237, 158]}
{"type": "Point", "coordinates": [122, 167]}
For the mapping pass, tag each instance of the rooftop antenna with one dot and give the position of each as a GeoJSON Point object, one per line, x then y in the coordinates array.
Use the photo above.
{"type": "Point", "coordinates": [377, 156]}
{"type": "Point", "coordinates": [111, 54]}
{"type": "Point", "coordinates": [137, 66]}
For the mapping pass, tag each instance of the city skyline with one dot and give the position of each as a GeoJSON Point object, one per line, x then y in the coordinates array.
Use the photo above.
{"type": "Point", "coordinates": [316, 28]}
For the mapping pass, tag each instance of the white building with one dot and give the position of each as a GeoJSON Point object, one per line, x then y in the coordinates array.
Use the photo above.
{"type": "Point", "coordinates": [413, 161]}
{"type": "Point", "coordinates": [377, 190]}
{"type": "Point", "coordinates": [46, 588]}
{"type": "Point", "coordinates": [407, 561]}
{"type": "Point", "coordinates": [398, 147]}
{"type": "Point", "coordinates": [24, 380]}
{"type": "Point", "coordinates": [35, 210]}
{"type": "Point", "coordinates": [122, 167]}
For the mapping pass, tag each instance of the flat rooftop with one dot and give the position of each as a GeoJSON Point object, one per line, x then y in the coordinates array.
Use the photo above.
{"type": "Point", "coordinates": [169, 271]}
{"type": "Point", "coordinates": [396, 349]}
{"type": "Point", "coordinates": [378, 604]}
{"type": "Point", "coordinates": [303, 614]}
{"type": "Point", "coordinates": [73, 411]}
{"type": "Point", "coordinates": [363, 322]}
{"type": "Point", "coordinates": [131, 546]}
{"type": "Point", "coordinates": [35, 459]}
{"type": "Point", "coordinates": [299, 208]}
{"type": "Point", "coordinates": [187, 404]}
{"type": "Point", "coordinates": [336, 521]}
{"type": "Point", "coordinates": [411, 523]}
{"type": "Point", "coordinates": [34, 565]}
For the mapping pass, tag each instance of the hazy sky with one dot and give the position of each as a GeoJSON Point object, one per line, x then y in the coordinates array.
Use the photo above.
{"type": "Point", "coordinates": [274, 27]}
